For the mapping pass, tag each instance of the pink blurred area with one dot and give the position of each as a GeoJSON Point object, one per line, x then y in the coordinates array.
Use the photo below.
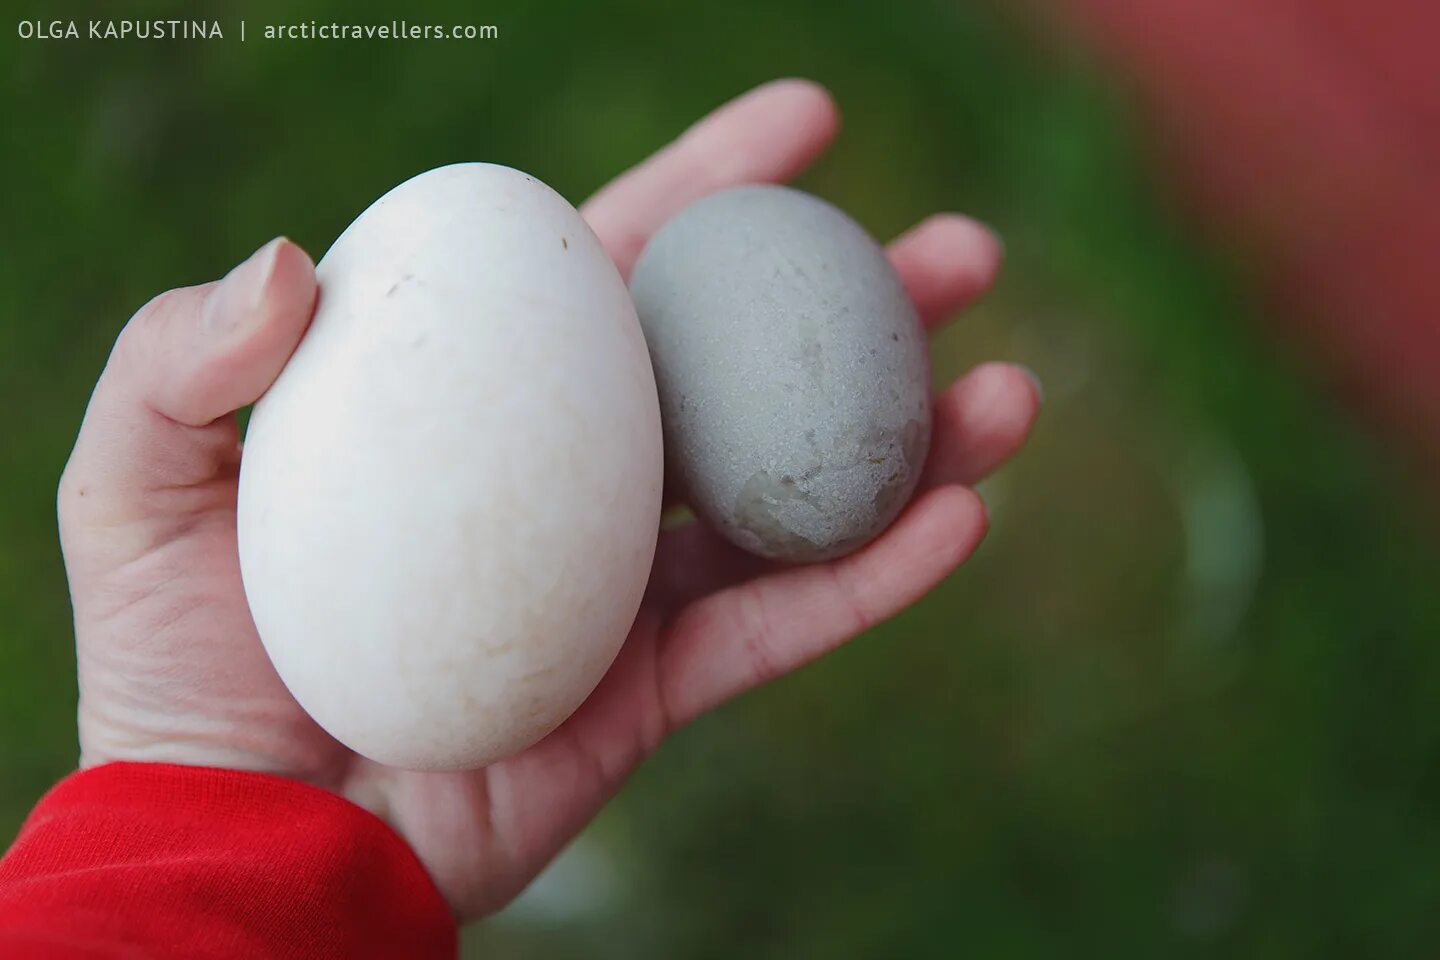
{"type": "Point", "coordinates": [1306, 135]}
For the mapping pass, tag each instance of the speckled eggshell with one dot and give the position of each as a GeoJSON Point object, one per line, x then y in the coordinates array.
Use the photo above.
{"type": "Point", "coordinates": [792, 369]}
{"type": "Point", "coordinates": [449, 498]}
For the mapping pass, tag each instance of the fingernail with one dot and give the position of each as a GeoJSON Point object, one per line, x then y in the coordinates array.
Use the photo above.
{"type": "Point", "coordinates": [241, 294]}
{"type": "Point", "coordinates": [1035, 379]}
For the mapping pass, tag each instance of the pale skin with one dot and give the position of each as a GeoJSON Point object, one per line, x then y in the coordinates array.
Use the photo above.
{"type": "Point", "coordinates": [170, 666]}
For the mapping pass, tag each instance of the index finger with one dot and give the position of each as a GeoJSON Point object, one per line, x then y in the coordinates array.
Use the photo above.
{"type": "Point", "coordinates": [767, 135]}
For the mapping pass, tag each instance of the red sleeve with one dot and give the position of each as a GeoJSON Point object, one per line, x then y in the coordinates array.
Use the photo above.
{"type": "Point", "coordinates": [150, 860]}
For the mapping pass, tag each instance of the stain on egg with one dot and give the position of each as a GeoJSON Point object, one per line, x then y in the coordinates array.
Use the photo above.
{"type": "Point", "coordinates": [792, 370]}
{"type": "Point", "coordinates": [449, 498]}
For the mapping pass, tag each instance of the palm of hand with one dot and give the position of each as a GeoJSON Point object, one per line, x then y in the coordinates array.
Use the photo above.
{"type": "Point", "coordinates": [171, 669]}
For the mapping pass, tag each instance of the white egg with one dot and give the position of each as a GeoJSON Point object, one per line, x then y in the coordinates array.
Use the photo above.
{"type": "Point", "coordinates": [449, 499]}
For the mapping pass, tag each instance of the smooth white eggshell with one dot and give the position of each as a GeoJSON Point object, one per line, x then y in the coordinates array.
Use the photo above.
{"type": "Point", "coordinates": [449, 498]}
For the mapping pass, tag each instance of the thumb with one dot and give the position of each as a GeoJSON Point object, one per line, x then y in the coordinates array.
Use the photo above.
{"type": "Point", "coordinates": [199, 353]}
{"type": "Point", "coordinates": [157, 439]}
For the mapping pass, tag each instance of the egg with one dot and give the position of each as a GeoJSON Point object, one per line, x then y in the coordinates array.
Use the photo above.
{"type": "Point", "coordinates": [450, 496]}
{"type": "Point", "coordinates": [792, 368]}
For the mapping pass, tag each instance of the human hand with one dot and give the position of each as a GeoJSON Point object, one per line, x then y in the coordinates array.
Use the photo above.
{"type": "Point", "coordinates": [172, 670]}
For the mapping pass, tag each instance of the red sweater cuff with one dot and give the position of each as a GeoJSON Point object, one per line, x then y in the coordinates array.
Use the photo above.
{"type": "Point", "coordinates": [156, 860]}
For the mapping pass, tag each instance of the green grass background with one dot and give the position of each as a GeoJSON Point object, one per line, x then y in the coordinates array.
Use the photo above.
{"type": "Point", "coordinates": [1185, 701]}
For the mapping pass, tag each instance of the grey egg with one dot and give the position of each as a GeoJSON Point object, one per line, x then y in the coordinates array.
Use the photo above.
{"type": "Point", "coordinates": [792, 369]}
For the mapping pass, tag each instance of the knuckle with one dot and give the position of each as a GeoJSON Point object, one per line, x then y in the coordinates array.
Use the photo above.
{"type": "Point", "coordinates": [159, 307]}
{"type": "Point", "coordinates": [757, 639]}
{"type": "Point", "coordinates": [149, 320]}
{"type": "Point", "coordinates": [79, 511]}
{"type": "Point", "coordinates": [68, 491]}
{"type": "Point", "coordinates": [860, 615]}
{"type": "Point", "coordinates": [78, 497]}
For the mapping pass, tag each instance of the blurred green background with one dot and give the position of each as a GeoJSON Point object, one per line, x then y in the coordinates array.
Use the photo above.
{"type": "Point", "coordinates": [1184, 702]}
